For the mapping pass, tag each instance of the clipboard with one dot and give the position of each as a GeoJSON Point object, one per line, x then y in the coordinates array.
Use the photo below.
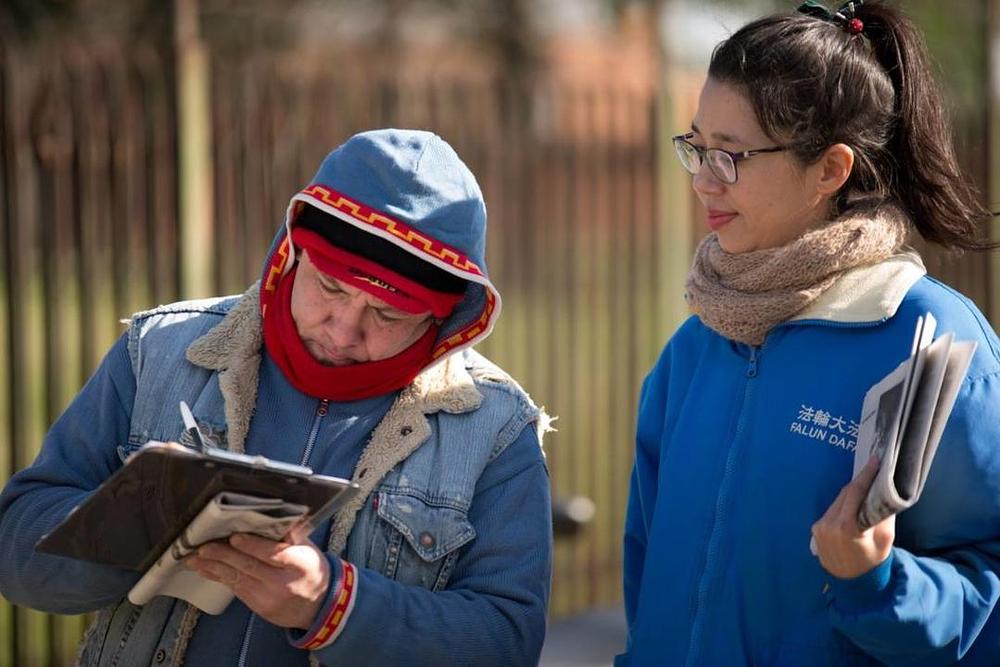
{"type": "Point", "coordinates": [142, 508]}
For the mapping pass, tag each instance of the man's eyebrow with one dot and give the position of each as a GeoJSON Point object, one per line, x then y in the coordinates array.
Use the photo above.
{"type": "Point", "coordinates": [328, 282]}
{"type": "Point", "coordinates": [389, 311]}
{"type": "Point", "coordinates": [324, 278]}
{"type": "Point", "coordinates": [720, 136]}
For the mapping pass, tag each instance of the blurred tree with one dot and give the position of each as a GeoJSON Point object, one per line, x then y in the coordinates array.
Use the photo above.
{"type": "Point", "coordinates": [28, 21]}
{"type": "Point", "coordinates": [23, 19]}
{"type": "Point", "coordinates": [507, 25]}
{"type": "Point", "coordinates": [955, 33]}
{"type": "Point", "coordinates": [233, 27]}
{"type": "Point", "coordinates": [956, 37]}
{"type": "Point", "coordinates": [505, 28]}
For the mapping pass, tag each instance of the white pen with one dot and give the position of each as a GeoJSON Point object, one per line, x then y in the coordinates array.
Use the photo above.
{"type": "Point", "coordinates": [191, 426]}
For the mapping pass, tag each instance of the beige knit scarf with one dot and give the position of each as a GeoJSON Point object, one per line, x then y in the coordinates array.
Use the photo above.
{"type": "Point", "coordinates": [743, 296]}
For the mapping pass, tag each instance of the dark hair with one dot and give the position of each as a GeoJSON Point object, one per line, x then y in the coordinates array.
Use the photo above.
{"type": "Point", "coordinates": [812, 84]}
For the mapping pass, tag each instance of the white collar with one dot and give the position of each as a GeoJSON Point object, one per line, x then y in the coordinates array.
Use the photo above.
{"type": "Point", "coordinates": [868, 293]}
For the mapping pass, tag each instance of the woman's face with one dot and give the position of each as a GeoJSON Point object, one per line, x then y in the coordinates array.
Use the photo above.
{"type": "Point", "coordinates": [775, 199]}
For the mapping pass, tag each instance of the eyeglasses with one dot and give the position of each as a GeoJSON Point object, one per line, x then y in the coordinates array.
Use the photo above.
{"type": "Point", "coordinates": [721, 163]}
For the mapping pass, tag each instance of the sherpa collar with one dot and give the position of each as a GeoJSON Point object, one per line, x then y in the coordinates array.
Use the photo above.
{"type": "Point", "coordinates": [869, 293]}
{"type": "Point", "coordinates": [233, 348]}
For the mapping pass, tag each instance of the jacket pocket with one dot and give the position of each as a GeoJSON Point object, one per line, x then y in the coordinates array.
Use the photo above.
{"type": "Point", "coordinates": [423, 538]}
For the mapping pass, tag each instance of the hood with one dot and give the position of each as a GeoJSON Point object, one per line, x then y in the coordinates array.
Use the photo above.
{"type": "Point", "coordinates": [410, 188]}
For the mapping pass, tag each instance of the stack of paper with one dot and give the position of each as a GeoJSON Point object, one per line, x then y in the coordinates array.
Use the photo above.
{"type": "Point", "coordinates": [227, 513]}
{"type": "Point", "coordinates": [903, 416]}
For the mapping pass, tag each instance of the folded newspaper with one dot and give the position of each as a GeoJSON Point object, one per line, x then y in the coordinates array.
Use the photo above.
{"type": "Point", "coordinates": [227, 513]}
{"type": "Point", "coordinates": [903, 416]}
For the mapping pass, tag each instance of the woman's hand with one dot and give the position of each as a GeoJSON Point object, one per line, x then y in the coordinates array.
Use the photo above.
{"type": "Point", "coordinates": [844, 550]}
{"type": "Point", "coordinates": [283, 583]}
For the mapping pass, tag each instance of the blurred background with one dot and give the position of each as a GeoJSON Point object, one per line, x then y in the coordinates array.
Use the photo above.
{"type": "Point", "coordinates": [148, 149]}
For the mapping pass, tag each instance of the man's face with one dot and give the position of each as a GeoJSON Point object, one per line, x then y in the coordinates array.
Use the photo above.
{"type": "Point", "coordinates": [342, 325]}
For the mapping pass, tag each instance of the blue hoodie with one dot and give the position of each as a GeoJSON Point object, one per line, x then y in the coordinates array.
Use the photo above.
{"type": "Point", "coordinates": [740, 449]}
{"type": "Point", "coordinates": [410, 188]}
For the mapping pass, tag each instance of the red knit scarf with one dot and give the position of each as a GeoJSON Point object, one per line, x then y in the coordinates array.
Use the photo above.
{"type": "Point", "coordinates": [335, 383]}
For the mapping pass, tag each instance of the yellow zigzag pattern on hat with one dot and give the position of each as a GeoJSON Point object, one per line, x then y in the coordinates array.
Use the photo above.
{"type": "Point", "coordinates": [470, 332]}
{"type": "Point", "coordinates": [394, 227]}
{"type": "Point", "coordinates": [277, 266]}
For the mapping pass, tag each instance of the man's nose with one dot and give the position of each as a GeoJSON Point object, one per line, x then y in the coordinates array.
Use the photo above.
{"type": "Point", "coordinates": [344, 324]}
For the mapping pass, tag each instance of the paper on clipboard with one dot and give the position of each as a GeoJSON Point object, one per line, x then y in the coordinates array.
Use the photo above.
{"type": "Point", "coordinates": [226, 514]}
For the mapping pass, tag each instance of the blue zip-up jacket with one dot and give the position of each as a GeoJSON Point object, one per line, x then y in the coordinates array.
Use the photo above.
{"type": "Point", "coordinates": [740, 449]}
{"type": "Point", "coordinates": [451, 532]}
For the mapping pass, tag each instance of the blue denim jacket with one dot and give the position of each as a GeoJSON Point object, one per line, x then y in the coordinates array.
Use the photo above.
{"type": "Point", "coordinates": [450, 572]}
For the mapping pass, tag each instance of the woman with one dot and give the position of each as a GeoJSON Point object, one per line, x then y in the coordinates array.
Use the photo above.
{"type": "Point", "coordinates": [818, 146]}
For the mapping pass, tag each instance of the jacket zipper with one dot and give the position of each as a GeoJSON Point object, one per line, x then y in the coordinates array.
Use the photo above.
{"type": "Point", "coordinates": [722, 501]}
{"type": "Point", "coordinates": [721, 504]}
{"type": "Point", "coordinates": [311, 442]}
{"type": "Point", "coordinates": [245, 649]}
{"type": "Point", "coordinates": [321, 410]}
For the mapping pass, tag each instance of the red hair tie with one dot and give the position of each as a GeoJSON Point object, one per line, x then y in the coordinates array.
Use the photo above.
{"type": "Point", "coordinates": [855, 26]}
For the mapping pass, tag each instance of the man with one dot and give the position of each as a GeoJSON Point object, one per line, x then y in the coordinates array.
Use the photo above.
{"type": "Point", "coordinates": [352, 356]}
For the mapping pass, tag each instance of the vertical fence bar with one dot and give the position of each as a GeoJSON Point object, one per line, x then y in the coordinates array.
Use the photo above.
{"type": "Point", "coordinates": [194, 134]}
{"type": "Point", "coordinates": [621, 215]}
{"type": "Point", "coordinates": [7, 298]}
{"type": "Point", "coordinates": [161, 183]}
{"type": "Point", "coordinates": [604, 175]}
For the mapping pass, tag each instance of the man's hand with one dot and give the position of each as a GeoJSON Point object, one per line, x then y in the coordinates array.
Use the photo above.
{"type": "Point", "coordinates": [283, 583]}
{"type": "Point", "coordinates": [157, 443]}
{"type": "Point", "coordinates": [843, 549]}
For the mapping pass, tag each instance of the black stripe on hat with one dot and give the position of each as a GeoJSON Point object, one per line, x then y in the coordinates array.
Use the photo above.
{"type": "Point", "coordinates": [348, 237]}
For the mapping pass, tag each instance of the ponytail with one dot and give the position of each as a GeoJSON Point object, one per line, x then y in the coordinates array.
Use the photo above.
{"type": "Point", "coordinates": [944, 203]}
